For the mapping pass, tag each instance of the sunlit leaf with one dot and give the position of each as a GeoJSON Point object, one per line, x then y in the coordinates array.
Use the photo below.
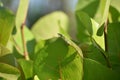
{"type": "Point", "coordinates": [21, 20]}
{"type": "Point", "coordinates": [87, 28]}
{"type": "Point", "coordinates": [114, 15]}
{"type": "Point", "coordinates": [39, 45]}
{"type": "Point", "coordinates": [89, 6]}
{"type": "Point", "coordinates": [97, 9]}
{"type": "Point", "coordinates": [58, 60]}
{"type": "Point", "coordinates": [98, 39]}
{"type": "Point", "coordinates": [115, 4]}
{"type": "Point", "coordinates": [103, 10]}
{"type": "Point", "coordinates": [6, 25]}
{"type": "Point", "coordinates": [102, 14]}
{"type": "Point", "coordinates": [100, 31]}
{"type": "Point", "coordinates": [48, 26]}
{"type": "Point", "coordinates": [21, 12]}
{"type": "Point", "coordinates": [8, 72]}
{"type": "Point", "coordinates": [84, 37]}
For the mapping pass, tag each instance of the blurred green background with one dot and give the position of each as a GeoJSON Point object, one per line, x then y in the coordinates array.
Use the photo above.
{"type": "Point", "coordinates": [39, 8]}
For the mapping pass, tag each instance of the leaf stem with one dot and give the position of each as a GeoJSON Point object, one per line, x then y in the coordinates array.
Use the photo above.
{"type": "Point", "coordinates": [24, 42]}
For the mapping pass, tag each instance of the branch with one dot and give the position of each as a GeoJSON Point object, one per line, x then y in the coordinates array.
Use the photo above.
{"type": "Point", "coordinates": [105, 35]}
{"type": "Point", "coordinates": [24, 42]}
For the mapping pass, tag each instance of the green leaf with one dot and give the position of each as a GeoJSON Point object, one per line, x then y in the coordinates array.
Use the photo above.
{"type": "Point", "coordinates": [100, 52]}
{"type": "Point", "coordinates": [8, 72]}
{"type": "Point", "coordinates": [100, 30]}
{"type": "Point", "coordinates": [114, 15]}
{"type": "Point", "coordinates": [8, 59]}
{"type": "Point", "coordinates": [20, 20]}
{"type": "Point", "coordinates": [71, 43]}
{"type": "Point", "coordinates": [113, 45]}
{"type": "Point", "coordinates": [99, 39]}
{"type": "Point", "coordinates": [87, 28]}
{"type": "Point", "coordinates": [83, 34]}
{"type": "Point", "coordinates": [62, 31]}
{"type": "Point", "coordinates": [90, 7]}
{"type": "Point", "coordinates": [48, 27]}
{"type": "Point", "coordinates": [102, 14]}
{"type": "Point", "coordinates": [95, 71]}
{"type": "Point", "coordinates": [6, 56]}
{"type": "Point", "coordinates": [39, 46]}
{"type": "Point", "coordinates": [21, 12]}
{"type": "Point", "coordinates": [29, 38]}
{"type": "Point", "coordinates": [85, 21]}
{"type": "Point", "coordinates": [3, 50]}
{"type": "Point", "coordinates": [27, 68]}
{"type": "Point", "coordinates": [6, 25]}
{"type": "Point", "coordinates": [115, 4]}
{"type": "Point", "coordinates": [103, 10]}
{"type": "Point", "coordinates": [84, 37]}
{"type": "Point", "coordinates": [58, 60]}
{"type": "Point", "coordinates": [97, 9]}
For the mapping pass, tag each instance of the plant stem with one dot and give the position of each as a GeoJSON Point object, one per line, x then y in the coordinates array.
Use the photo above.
{"type": "Point", "coordinates": [24, 42]}
{"type": "Point", "coordinates": [106, 43]}
{"type": "Point", "coordinates": [102, 52]}
{"type": "Point", "coordinates": [26, 55]}
{"type": "Point", "coordinates": [105, 35]}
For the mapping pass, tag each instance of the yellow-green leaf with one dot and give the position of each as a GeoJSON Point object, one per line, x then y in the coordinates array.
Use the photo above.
{"type": "Point", "coordinates": [9, 72]}
{"type": "Point", "coordinates": [48, 26]}
{"type": "Point", "coordinates": [21, 12]}
{"type": "Point", "coordinates": [3, 50]}
{"type": "Point", "coordinates": [6, 25]}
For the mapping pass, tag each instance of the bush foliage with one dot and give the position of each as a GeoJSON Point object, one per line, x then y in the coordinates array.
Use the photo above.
{"type": "Point", "coordinates": [48, 52]}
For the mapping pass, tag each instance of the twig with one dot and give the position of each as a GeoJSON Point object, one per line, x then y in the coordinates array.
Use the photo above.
{"type": "Point", "coordinates": [23, 37]}
{"type": "Point", "coordinates": [106, 42]}
{"type": "Point", "coordinates": [105, 35]}
{"type": "Point", "coordinates": [24, 42]}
